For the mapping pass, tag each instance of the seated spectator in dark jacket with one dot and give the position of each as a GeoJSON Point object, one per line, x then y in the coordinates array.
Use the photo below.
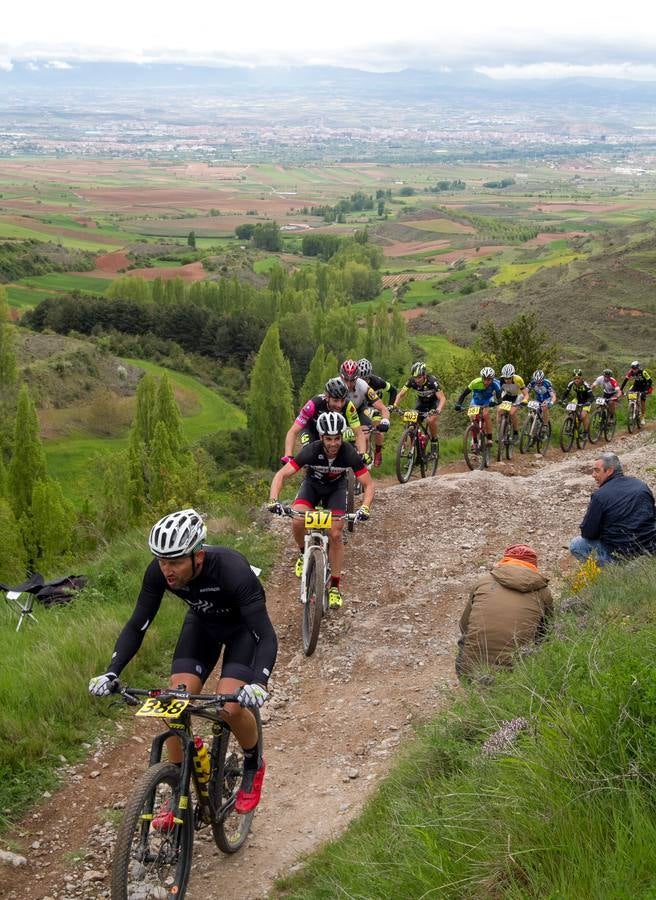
{"type": "Point", "coordinates": [507, 608]}
{"type": "Point", "coordinates": [620, 521]}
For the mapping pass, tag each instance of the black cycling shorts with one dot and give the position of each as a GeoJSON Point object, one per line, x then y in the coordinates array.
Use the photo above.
{"type": "Point", "coordinates": [426, 407]}
{"type": "Point", "coordinates": [199, 647]}
{"type": "Point", "coordinates": [330, 496]}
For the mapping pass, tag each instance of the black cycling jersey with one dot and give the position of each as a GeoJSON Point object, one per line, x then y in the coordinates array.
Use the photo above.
{"type": "Point", "coordinates": [225, 592]}
{"type": "Point", "coordinates": [582, 392]}
{"type": "Point", "coordinates": [325, 470]}
{"type": "Point", "coordinates": [642, 380]}
{"type": "Point", "coordinates": [380, 386]}
{"type": "Point", "coordinates": [426, 392]}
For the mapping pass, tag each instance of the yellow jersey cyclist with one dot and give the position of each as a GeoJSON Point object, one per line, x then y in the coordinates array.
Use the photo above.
{"type": "Point", "coordinates": [366, 372]}
{"type": "Point", "coordinates": [327, 462]}
{"type": "Point", "coordinates": [583, 394]}
{"type": "Point", "coordinates": [515, 391]}
{"type": "Point", "coordinates": [486, 392]}
{"type": "Point", "coordinates": [430, 398]}
{"type": "Point", "coordinates": [363, 397]}
{"type": "Point", "coordinates": [642, 384]}
{"type": "Point", "coordinates": [334, 399]}
{"type": "Point", "coordinates": [226, 612]}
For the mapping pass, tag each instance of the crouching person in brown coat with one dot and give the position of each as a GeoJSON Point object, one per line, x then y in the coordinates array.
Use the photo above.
{"type": "Point", "coordinates": [508, 608]}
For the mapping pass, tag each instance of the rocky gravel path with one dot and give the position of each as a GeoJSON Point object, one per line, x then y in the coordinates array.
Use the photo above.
{"type": "Point", "coordinates": [336, 720]}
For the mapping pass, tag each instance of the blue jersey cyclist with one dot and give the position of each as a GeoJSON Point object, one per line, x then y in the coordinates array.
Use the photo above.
{"type": "Point", "coordinates": [544, 392]}
{"type": "Point", "coordinates": [486, 392]}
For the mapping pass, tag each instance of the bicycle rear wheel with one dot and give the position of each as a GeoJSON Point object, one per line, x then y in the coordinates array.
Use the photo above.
{"type": "Point", "coordinates": [315, 588]}
{"type": "Point", "coordinates": [406, 455]}
{"type": "Point", "coordinates": [567, 434]}
{"type": "Point", "coordinates": [230, 828]}
{"type": "Point", "coordinates": [433, 457]}
{"type": "Point", "coordinates": [150, 862]}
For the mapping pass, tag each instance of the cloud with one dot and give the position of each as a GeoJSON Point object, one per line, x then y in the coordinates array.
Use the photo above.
{"type": "Point", "coordinates": [58, 64]}
{"type": "Point", "coordinates": [551, 70]}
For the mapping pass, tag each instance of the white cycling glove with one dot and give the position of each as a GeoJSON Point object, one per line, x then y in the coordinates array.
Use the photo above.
{"type": "Point", "coordinates": [103, 685]}
{"type": "Point", "coordinates": [252, 695]}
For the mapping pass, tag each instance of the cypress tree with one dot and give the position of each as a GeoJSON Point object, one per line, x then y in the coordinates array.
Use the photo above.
{"type": "Point", "coordinates": [330, 367]}
{"type": "Point", "coordinates": [163, 483]}
{"type": "Point", "coordinates": [145, 417]}
{"type": "Point", "coordinates": [13, 559]}
{"type": "Point", "coordinates": [314, 381]}
{"type": "Point", "coordinates": [269, 401]}
{"type": "Point", "coordinates": [168, 413]}
{"type": "Point", "coordinates": [28, 462]}
{"type": "Point", "coordinates": [8, 374]}
{"type": "Point", "coordinates": [51, 524]}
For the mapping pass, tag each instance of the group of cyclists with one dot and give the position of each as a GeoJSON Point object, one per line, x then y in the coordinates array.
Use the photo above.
{"type": "Point", "coordinates": [225, 600]}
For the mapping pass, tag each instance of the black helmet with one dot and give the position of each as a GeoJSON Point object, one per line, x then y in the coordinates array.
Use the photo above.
{"type": "Point", "coordinates": [336, 388]}
{"type": "Point", "coordinates": [577, 373]}
{"type": "Point", "coordinates": [607, 373]}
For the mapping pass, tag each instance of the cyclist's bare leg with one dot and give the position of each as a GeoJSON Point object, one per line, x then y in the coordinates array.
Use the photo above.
{"type": "Point", "coordinates": [336, 548]}
{"type": "Point", "coordinates": [545, 412]}
{"type": "Point", "coordinates": [241, 720]}
{"type": "Point", "coordinates": [431, 425]}
{"type": "Point", "coordinates": [514, 413]}
{"type": "Point", "coordinates": [194, 685]}
{"type": "Point", "coordinates": [298, 526]}
{"type": "Point", "coordinates": [585, 418]}
{"type": "Point", "coordinates": [487, 421]}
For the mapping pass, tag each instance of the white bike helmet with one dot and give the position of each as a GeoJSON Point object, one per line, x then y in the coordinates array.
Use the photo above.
{"type": "Point", "coordinates": [635, 364]}
{"type": "Point", "coordinates": [508, 371]}
{"type": "Point", "coordinates": [538, 375]}
{"type": "Point", "coordinates": [331, 423]}
{"type": "Point", "coordinates": [487, 372]}
{"type": "Point", "coordinates": [177, 534]}
{"type": "Point", "coordinates": [365, 368]}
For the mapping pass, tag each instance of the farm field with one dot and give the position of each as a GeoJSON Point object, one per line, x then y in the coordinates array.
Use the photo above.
{"type": "Point", "coordinates": [72, 459]}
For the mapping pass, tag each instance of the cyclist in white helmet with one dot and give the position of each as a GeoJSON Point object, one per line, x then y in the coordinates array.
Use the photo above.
{"type": "Point", "coordinates": [513, 389]}
{"type": "Point", "coordinates": [327, 461]}
{"type": "Point", "coordinates": [226, 611]}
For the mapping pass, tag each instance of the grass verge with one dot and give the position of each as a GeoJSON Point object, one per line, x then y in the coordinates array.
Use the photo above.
{"type": "Point", "coordinates": [566, 809]}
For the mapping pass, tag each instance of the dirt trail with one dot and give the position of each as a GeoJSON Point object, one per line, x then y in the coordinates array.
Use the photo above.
{"type": "Point", "coordinates": [336, 720]}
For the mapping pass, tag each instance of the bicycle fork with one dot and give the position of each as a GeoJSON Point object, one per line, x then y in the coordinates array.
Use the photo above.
{"type": "Point", "coordinates": [313, 540]}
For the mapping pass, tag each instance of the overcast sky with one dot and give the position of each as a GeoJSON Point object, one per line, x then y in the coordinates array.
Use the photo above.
{"type": "Point", "coordinates": [506, 38]}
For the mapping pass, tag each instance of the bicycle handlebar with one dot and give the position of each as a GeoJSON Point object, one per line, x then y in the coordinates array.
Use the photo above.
{"type": "Point", "coordinates": [297, 514]}
{"type": "Point", "coordinates": [129, 694]}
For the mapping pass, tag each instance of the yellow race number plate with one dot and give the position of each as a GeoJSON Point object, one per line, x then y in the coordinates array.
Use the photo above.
{"type": "Point", "coordinates": [168, 708]}
{"type": "Point", "coordinates": [473, 411]}
{"type": "Point", "coordinates": [633, 395]}
{"type": "Point", "coordinates": [318, 518]}
{"type": "Point", "coordinates": [505, 405]}
{"type": "Point", "coordinates": [411, 415]}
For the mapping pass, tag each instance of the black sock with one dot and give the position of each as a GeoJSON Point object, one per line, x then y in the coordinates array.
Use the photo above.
{"type": "Point", "coordinates": [252, 758]}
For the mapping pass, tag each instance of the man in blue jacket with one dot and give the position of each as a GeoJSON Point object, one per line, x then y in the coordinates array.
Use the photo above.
{"type": "Point", "coordinates": [620, 521]}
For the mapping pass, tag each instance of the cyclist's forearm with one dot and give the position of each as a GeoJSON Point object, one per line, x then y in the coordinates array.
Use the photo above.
{"type": "Point", "coordinates": [401, 396]}
{"type": "Point", "coordinates": [290, 440]}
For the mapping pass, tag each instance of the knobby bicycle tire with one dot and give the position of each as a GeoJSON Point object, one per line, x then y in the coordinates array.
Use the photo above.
{"type": "Point", "coordinates": [230, 828]}
{"type": "Point", "coordinates": [471, 446]}
{"type": "Point", "coordinates": [609, 426]}
{"type": "Point", "coordinates": [544, 438]}
{"type": "Point", "coordinates": [147, 858]}
{"type": "Point", "coordinates": [315, 588]}
{"type": "Point", "coordinates": [567, 433]}
{"type": "Point", "coordinates": [350, 497]}
{"type": "Point", "coordinates": [526, 436]}
{"type": "Point", "coordinates": [596, 425]}
{"type": "Point", "coordinates": [433, 458]}
{"type": "Point", "coordinates": [581, 435]}
{"type": "Point", "coordinates": [406, 455]}
{"type": "Point", "coordinates": [632, 421]}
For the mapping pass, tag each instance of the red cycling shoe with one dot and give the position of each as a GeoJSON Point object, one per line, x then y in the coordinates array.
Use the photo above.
{"type": "Point", "coordinates": [248, 795]}
{"type": "Point", "coordinates": [164, 821]}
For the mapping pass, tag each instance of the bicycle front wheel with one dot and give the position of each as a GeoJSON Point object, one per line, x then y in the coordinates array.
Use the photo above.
{"type": "Point", "coordinates": [609, 426]}
{"type": "Point", "coordinates": [315, 588]}
{"type": "Point", "coordinates": [406, 455]}
{"type": "Point", "coordinates": [152, 861]}
{"type": "Point", "coordinates": [581, 435]}
{"type": "Point", "coordinates": [631, 421]}
{"type": "Point", "coordinates": [596, 426]}
{"type": "Point", "coordinates": [433, 457]}
{"type": "Point", "coordinates": [230, 828]}
{"type": "Point", "coordinates": [567, 434]}
{"type": "Point", "coordinates": [350, 497]}
{"type": "Point", "coordinates": [526, 437]}
{"type": "Point", "coordinates": [544, 438]}
{"type": "Point", "coordinates": [471, 447]}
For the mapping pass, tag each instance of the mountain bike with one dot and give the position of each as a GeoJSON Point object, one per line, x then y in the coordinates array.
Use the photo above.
{"type": "Point", "coordinates": [573, 428]}
{"type": "Point", "coordinates": [602, 420]}
{"type": "Point", "coordinates": [315, 577]}
{"type": "Point", "coordinates": [475, 447]}
{"type": "Point", "coordinates": [505, 443]}
{"type": "Point", "coordinates": [412, 446]}
{"type": "Point", "coordinates": [535, 432]}
{"type": "Point", "coordinates": [634, 420]}
{"type": "Point", "coordinates": [155, 861]}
